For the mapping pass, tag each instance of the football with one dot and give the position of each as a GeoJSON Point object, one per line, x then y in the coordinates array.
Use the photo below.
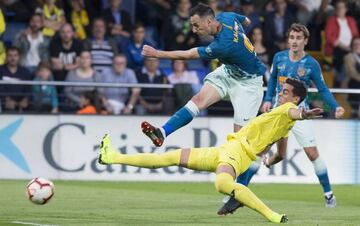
{"type": "Point", "coordinates": [40, 190]}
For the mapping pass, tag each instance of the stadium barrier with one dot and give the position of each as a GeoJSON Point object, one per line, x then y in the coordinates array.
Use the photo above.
{"type": "Point", "coordinates": [66, 147]}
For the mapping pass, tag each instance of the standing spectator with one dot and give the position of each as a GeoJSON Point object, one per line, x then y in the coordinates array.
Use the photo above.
{"type": "Point", "coordinates": [102, 48]}
{"type": "Point", "coordinates": [53, 17]}
{"type": "Point", "coordinates": [275, 27]}
{"type": "Point", "coordinates": [15, 97]}
{"type": "Point", "coordinates": [115, 99]}
{"type": "Point", "coordinates": [118, 21]}
{"type": "Point", "coordinates": [352, 71]}
{"type": "Point", "coordinates": [248, 9]}
{"type": "Point", "coordinates": [339, 31]}
{"type": "Point", "coordinates": [152, 100]}
{"type": "Point", "coordinates": [133, 47]}
{"type": "Point", "coordinates": [44, 96]}
{"type": "Point", "coordinates": [79, 19]}
{"type": "Point", "coordinates": [84, 73]}
{"type": "Point", "coordinates": [64, 52]}
{"type": "Point", "coordinates": [33, 45]}
{"type": "Point", "coordinates": [177, 28]}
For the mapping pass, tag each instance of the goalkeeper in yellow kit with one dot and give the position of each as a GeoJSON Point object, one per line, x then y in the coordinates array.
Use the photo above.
{"type": "Point", "coordinates": [233, 157]}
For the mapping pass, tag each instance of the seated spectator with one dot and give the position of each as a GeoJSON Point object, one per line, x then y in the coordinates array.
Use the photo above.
{"type": "Point", "coordinates": [339, 31]}
{"type": "Point", "coordinates": [152, 100]}
{"type": "Point", "coordinates": [181, 75]}
{"type": "Point", "coordinates": [133, 47]}
{"type": "Point", "coordinates": [248, 9]}
{"type": "Point", "coordinates": [102, 48]}
{"type": "Point", "coordinates": [14, 97]}
{"type": "Point", "coordinates": [84, 73]}
{"type": "Point", "coordinates": [33, 45]}
{"type": "Point", "coordinates": [53, 17]}
{"type": "Point", "coordinates": [79, 19]}
{"type": "Point", "coordinates": [177, 32]}
{"type": "Point", "coordinates": [45, 98]}
{"type": "Point", "coordinates": [352, 71]}
{"type": "Point", "coordinates": [64, 52]}
{"type": "Point", "coordinates": [118, 100]}
{"type": "Point", "coordinates": [118, 21]}
{"type": "Point", "coordinates": [87, 104]}
{"type": "Point", "coordinates": [275, 26]}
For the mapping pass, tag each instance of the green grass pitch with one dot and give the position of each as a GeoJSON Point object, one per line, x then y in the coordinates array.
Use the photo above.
{"type": "Point", "coordinates": [155, 203]}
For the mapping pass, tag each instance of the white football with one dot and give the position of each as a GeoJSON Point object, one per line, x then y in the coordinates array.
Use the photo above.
{"type": "Point", "coordinates": [40, 190]}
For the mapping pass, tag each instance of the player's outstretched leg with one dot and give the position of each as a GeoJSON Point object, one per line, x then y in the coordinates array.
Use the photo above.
{"type": "Point", "coordinates": [225, 184]}
{"type": "Point", "coordinates": [145, 160]}
{"type": "Point", "coordinates": [181, 118]}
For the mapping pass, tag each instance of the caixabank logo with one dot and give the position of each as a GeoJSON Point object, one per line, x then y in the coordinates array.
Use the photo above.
{"type": "Point", "coordinates": [8, 149]}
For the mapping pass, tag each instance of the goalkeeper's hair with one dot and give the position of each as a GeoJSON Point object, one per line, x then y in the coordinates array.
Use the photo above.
{"type": "Point", "coordinates": [299, 88]}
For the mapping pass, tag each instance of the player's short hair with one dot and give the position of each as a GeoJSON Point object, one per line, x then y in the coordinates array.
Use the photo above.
{"type": "Point", "coordinates": [202, 10]}
{"type": "Point", "coordinates": [299, 28]}
{"type": "Point", "coordinates": [299, 88]}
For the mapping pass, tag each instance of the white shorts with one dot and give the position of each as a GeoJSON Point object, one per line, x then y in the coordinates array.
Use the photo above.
{"type": "Point", "coordinates": [304, 133]}
{"type": "Point", "coordinates": [245, 94]}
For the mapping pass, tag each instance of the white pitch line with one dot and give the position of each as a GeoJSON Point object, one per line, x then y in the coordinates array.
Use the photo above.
{"type": "Point", "coordinates": [30, 223]}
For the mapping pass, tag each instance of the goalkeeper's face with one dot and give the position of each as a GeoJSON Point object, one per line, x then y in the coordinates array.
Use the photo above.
{"type": "Point", "coordinates": [287, 95]}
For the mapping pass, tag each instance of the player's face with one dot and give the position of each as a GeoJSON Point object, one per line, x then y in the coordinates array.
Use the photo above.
{"type": "Point", "coordinates": [297, 41]}
{"type": "Point", "coordinates": [286, 95]}
{"type": "Point", "coordinates": [200, 26]}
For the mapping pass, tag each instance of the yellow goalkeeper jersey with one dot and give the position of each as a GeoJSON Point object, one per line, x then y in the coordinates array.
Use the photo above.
{"type": "Point", "coordinates": [265, 130]}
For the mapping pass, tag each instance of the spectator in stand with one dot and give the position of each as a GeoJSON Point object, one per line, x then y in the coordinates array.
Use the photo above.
{"type": "Point", "coordinates": [2, 30]}
{"type": "Point", "coordinates": [181, 75]}
{"type": "Point", "coordinates": [256, 37]}
{"type": "Point", "coordinates": [84, 73]}
{"type": "Point", "coordinates": [45, 98]}
{"type": "Point", "coordinates": [214, 5]}
{"type": "Point", "coordinates": [64, 52]}
{"type": "Point", "coordinates": [102, 48]}
{"type": "Point", "coordinates": [352, 71]}
{"type": "Point", "coordinates": [20, 10]}
{"type": "Point", "coordinates": [151, 101]}
{"type": "Point", "coordinates": [339, 31]}
{"type": "Point", "coordinates": [133, 47]}
{"type": "Point", "coordinates": [248, 9]}
{"type": "Point", "coordinates": [118, 21]}
{"type": "Point", "coordinates": [87, 104]}
{"type": "Point", "coordinates": [53, 17]}
{"type": "Point", "coordinates": [14, 97]}
{"type": "Point", "coordinates": [275, 26]}
{"type": "Point", "coordinates": [118, 100]}
{"type": "Point", "coordinates": [33, 45]}
{"type": "Point", "coordinates": [177, 32]}
{"type": "Point", "coordinates": [79, 19]}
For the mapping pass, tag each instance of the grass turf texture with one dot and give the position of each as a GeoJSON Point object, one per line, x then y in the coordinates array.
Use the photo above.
{"type": "Point", "coordinates": [154, 203]}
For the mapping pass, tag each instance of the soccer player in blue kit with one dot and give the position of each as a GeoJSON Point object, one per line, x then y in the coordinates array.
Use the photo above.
{"type": "Point", "coordinates": [295, 63]}
{"type": "Point", "coordinates": [239, 78]}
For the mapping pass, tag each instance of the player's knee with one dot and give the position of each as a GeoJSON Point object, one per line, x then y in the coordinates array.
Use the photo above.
{"type": "Point", "coordinates": [312, 153]}
{"type": "Point", "coordinates": [224, 183]}
{"type": "Point", "coordinates": [199, 101]}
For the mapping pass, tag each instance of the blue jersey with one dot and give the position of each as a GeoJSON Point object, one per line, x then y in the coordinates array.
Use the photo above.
{"type": "Point", "coordinates": [232, 48]}
{"type": "Point", "coordinates": [306, 69]}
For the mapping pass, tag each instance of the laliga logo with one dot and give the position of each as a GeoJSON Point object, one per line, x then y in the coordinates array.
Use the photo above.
{"type": "Point", "coordinates": [8, 148]}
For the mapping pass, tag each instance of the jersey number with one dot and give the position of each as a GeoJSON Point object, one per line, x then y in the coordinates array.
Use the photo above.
{"type": "Point", "coordinates": [248, 44]}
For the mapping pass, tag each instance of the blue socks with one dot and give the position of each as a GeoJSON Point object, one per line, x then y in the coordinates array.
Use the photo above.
{"type": "Point", "coordinates": [321, 173]}
{"type": "Point", "coordinates": [245, 177]}
{"type": "Point", "coordinates": [182, 117]}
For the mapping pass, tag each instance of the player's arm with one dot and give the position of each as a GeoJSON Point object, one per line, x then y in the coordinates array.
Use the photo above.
{"type": "Point", "coordinates": [324, 91]}
{"type": "Point", "coordinates": [302, 114]}
{"type": "Point", "coordinates": [279, 155]}
{"type": "Point", "coordinates": [270, 92]}
{"type": "Point", "coordinates": [149, 51]}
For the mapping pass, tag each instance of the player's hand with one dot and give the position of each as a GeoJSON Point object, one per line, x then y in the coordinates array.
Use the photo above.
{"type": "Point", "coordinates": [266, 106]}
{"type": "Point", "coordinates": [311, 114]}
{"type": "Point", "coordinates": [339, 112]}
{"type": "Point", "coordinates": [149, 51]}
{"type": "Point", "coordinates": [265, 161]}
{"type": "Point", "coordinates": [246, 22]}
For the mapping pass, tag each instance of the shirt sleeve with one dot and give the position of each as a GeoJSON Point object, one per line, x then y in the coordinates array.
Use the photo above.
{"type": "Point", "coordinates": [210, 52]}
{"type": "Point", "coordinates": [324, 91]}
{"type": "Point", "coordinates": [272, 81]}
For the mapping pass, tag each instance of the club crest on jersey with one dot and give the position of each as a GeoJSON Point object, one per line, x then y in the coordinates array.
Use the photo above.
{"type": "Point", "coordinates": [301, 71]}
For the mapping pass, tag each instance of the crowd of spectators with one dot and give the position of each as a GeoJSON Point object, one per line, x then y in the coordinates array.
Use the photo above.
{"type": "Point", "coordinates": [101, 41]}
